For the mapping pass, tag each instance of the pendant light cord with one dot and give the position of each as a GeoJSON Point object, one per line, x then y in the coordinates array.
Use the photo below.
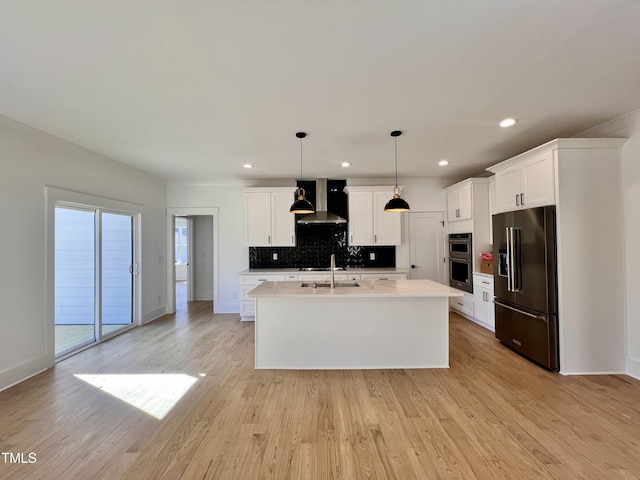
{"type": "Point", "coordinates": [395, 141]}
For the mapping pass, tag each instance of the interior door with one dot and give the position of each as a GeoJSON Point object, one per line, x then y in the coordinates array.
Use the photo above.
{"type": "Point", "coordinates": [427, 246]}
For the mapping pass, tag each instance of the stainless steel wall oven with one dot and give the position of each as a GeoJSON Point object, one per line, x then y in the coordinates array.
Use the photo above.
{"type": "Point", "coordinates": [460, 261]}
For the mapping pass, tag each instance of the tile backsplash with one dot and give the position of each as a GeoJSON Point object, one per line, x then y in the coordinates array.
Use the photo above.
{"type": "Point", "coordinates": [315, 243]}
{"type": "Point", "coordinates": [314, 246]}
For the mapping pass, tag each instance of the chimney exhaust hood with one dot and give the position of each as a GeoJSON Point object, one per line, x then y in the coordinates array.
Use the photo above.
{"type": "Point", "coordinates": [321, 215]}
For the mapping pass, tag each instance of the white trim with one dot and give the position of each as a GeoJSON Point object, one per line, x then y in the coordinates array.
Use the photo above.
{"type": "Point", "coordinates": [59, 197]}
{"type": "Point", "coordinates": [173, 212]}
{"type": "Point", "coordinates": [633, 367]}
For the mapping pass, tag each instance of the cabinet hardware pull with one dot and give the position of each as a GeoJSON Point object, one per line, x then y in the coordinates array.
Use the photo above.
{"type": "Point", "coordinates": [522, 199]}
{"type": "Point", "coordinates": [517, 200]}
{"type": "Point", "coordinates": [269, 239]}
{"type": "Point", "coordinates": [486, 283]}
{"type": "Point", "coordinates": [375, 239]}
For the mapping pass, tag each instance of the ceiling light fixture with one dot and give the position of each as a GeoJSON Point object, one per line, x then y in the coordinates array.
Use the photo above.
{"type": "Point", "coordinates": [443, 163]}
{"type": "Point", "coordinates": [301, 205]}
{"type": "Point", "coordinates": [345, 164]}
{"type": "Point", "coordinates": [508, 122]}
{"type": "Point", "coordinates": [396, 204]}
{"type": "Point", "coordinates": [247, 165]}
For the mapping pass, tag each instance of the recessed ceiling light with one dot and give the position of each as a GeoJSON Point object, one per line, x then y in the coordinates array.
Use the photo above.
{"type": "Point", "coordinates": [345, 164]}
{"type": "Point", "coordinates": [508, 122]}
{"type": "Point", "coordinates": [442, 163]}
{"type": "Point", "coordinates": [247, 165]}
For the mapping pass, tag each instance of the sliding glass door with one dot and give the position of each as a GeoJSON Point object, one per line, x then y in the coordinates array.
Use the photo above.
{"type": "Point", "coordinates": [94, 276]}
{"type": "Point", "coordinates": [117, 272]}
{"type": "Point", "coordinates": [75, 279]}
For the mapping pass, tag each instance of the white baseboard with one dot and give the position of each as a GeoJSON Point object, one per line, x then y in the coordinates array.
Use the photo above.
{"type": "Point", "coordinates": [226, 308]}
{"type": "Point", "coordinates": [633, 367]}
{"type": "Point", "coordinates": [28, 369]}
{"type": "Point", "coordinates": [153, 314]}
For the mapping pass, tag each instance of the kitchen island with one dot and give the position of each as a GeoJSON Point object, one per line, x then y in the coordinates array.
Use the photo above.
{"type": "Point", "coordinates": [357, 325]}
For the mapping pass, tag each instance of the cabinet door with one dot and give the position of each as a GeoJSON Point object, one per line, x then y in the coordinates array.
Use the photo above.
{"type": "Point", "coordinates": [387, 226]}
{"type": "Point", "coordinates": [508, 189]}
{"type": "Point", "coordinates": [282, 221]}
{"type": "Point", "coordinates": [360, 218]}
{"type": "Point", "coordinates": [453, 204]}
{"type": "Point", "coordinates": [459, 203]}
{"type": "Point", "coordinates": [257, 219]}
{"type": "Point", "coordinates": [538, 181]}
{"type": "Point", "coordinates": [481, 304]}
{"type": "Point", "coordinates": [464, 202]}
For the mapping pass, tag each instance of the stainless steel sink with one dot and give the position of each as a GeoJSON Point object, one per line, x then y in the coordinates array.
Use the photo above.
{"type": "Point", "coordinates": [324, 284]}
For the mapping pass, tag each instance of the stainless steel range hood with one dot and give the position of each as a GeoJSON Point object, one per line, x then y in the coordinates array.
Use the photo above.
{"type": "Point", "coordinates": [321, 215]}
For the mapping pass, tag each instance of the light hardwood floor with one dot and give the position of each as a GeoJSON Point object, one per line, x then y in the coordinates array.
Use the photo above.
{"type": "Point", "coordinates": [491, 415]}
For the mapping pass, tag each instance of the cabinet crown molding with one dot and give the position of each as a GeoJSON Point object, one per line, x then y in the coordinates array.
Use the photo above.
{"type": "Point", "coordinates": [560, 143]}
{"type": "Point", "coordinates": [468, 181]}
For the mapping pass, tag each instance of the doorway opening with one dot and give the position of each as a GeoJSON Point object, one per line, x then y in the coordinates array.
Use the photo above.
{"type": "Point", "coordinates": [193, 272]}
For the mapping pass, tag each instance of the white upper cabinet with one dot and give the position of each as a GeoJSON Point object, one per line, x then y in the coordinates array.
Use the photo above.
{"type": "Point", "coordinates": [526, 182]}
{"type": "Point", "coordinates": [369, 224]}
{"type": "Point", "coordinates": [386, 225]}
{"type": "Point", "coordinates": [267, 220]}
{"type": "Point", "coordinates": [360, 218]}
{"type": "Point", "coordinates": [459, 203]}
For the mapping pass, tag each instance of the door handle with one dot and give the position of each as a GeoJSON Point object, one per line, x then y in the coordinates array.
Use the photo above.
{"type": "Point", "coordinates": [537, 317]}
{"type": "Point", "coordinates": [414, 266]}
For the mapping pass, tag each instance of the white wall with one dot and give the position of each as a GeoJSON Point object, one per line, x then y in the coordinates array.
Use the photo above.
{"type": "Point", "coordinates": [233, 255]}
{"type": "Point", "coordinates": [29, 161]}
{"type": "Point", "coordinates": [628, 126]}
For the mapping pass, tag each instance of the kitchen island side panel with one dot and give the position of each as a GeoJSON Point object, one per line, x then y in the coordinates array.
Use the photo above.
{"type": "Point", "coordinates": [351, 333]}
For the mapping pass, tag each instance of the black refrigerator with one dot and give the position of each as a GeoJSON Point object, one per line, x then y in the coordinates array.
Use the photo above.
{"type": "Point", "coordinates": [525, 279]}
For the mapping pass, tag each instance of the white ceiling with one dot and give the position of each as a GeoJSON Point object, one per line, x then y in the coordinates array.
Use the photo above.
{"type": "Point", "coordinates": [193, 90]}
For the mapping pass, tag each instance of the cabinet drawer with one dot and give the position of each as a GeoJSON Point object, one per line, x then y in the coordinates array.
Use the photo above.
{"type": "Point", "coordinates": [463, 304]}
{"type": "Point", "coordinates": [247, 308]}
{"type": "Point", "coordinates": [480, 281]}
{"type": "Point", "coordinates": [383, 276]}
{"type": "Point", "coordinates": [258, 279]}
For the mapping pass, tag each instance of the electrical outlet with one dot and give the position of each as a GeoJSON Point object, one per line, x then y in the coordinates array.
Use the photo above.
{"type": "Point", "coordinates": [275, 256]}
{"type": "Point", "coordinates": [372, 256]}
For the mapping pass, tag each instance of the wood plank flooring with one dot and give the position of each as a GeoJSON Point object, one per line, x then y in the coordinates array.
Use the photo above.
{"type": "Point", "coordinates": [491, 415]}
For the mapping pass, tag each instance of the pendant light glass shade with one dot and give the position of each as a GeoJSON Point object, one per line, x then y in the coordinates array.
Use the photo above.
{"type": "Point", "coordinates": [396, 204]}
{"type": "Point", "coordinates": [301, 205]}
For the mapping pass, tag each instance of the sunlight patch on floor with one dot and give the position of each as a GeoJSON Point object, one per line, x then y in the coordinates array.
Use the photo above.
{"type": "Point", "coordinates": [154, 394]}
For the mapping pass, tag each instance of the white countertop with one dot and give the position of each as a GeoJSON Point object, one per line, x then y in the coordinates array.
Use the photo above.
{"type": "Point", "coordinates": [367, 288]}
{"type": "Point", "coordinates": [262, 271]}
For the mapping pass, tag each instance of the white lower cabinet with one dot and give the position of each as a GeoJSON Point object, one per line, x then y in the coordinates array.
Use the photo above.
{"type": "Point", "coordinates": [483, 307]}
{"type": "Point", "coordinates": [248, 283]}
{"type": "Point", "coordinates": [462, 304]}
{"type": "Point", "coordinates": [477, 306]}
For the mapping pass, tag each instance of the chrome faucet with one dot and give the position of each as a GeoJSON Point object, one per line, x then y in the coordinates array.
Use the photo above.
{"type": "Point", "coordinates": [333, 271]}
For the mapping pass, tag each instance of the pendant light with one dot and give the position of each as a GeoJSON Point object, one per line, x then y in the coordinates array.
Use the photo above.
{"type": "Point", "coordinates": [396, 204]}
{"type": "Point", "coordinates": [301, 205]}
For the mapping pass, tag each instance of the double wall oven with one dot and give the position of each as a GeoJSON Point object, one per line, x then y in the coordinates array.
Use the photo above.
{"type": "Point", "coordinates": [460, 261]}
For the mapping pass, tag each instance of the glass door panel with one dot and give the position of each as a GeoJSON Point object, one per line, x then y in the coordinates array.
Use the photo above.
{"type": "Point", "coordinates": [75, 275]}
{"type": "Point", "coordinates": [117, 272]}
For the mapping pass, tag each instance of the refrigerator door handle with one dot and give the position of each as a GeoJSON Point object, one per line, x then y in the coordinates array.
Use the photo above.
{"type": "Point", "coordinates": [510, 261]}
{"type": "Point", "coordinates": [513, 284]}
{"type": "Point", "coordinates": [538, 317]}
